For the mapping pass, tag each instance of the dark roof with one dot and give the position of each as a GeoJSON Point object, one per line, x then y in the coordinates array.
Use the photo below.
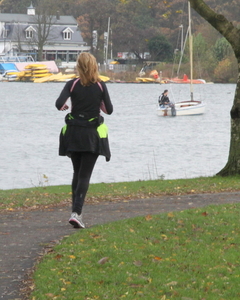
{"type": "Point", "coordinates": [17, 32]}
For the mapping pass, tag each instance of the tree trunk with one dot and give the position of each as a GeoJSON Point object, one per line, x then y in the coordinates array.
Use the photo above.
{"type": "Point", "coordinates": [232, 166]}
{"type": "Point", "coordinates": [232, 34]}
{"type": "Point", "coordinates": [40, 53]}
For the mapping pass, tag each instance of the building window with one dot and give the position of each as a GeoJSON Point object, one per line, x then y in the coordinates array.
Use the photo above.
{"type": "Point", "coordinates": [5, 33]}
{"type": "Point", "coordinates": [72, 56]}
{"type": "Point", "coordinates": [67, 35]}
{"type": "Point", "coordinates": [29, 32]}
{"type": "Point", "coordinates": [51, 55]}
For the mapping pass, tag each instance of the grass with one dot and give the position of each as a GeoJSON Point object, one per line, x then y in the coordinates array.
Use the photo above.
{"type": "Point", "coordinates": [186, 255]}
{"type": "Point", "coordinates": [43, 197]}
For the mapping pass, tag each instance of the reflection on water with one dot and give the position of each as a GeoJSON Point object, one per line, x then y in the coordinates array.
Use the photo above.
{"type": "Point", "coordinates": [143, 145]}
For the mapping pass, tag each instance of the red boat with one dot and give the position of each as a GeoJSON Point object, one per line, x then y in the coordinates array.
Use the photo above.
{"type": "Point", "coordinates": [185, 79]}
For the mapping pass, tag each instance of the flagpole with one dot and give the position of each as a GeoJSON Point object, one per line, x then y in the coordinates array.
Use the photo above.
{"type": "Point", "coordinates": [106, 59]}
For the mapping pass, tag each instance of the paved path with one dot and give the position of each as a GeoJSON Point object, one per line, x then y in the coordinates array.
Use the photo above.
{"type": "Point", "coordinates": [25, 234]}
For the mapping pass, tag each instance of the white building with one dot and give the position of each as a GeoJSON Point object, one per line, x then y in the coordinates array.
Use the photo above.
{"type": "Point", "coordinates": [19, 32]}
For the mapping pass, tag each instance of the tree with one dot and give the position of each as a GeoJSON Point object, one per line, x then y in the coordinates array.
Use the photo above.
{"type": "Point", "coordinates": [134, 25]}
{"type": "Point", "coordinates": [222, 49]}
{"type": "Point", "coordinates": [93, 16]}
{"type": "Point", "coordinates": [200, 55]}
{"type": "Point", "coordinates": [226, 70]}
{"type": "Point", "coordinates": [20, 6]}
{"type": "Point", "coordinates": [14, 6]}
{"type": "Point", "coordinates": [232, 35]}
{"type": "Point", "coordinates": [160, 48]}
{"type": "Point", "coordinates": [44, 20]}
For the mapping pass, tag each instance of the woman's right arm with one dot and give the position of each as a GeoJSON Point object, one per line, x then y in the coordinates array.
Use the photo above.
{"type": "Point", "coordinates": [62, 99]}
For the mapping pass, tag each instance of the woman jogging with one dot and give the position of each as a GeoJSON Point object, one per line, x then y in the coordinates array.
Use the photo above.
{"type": "Point", "coordinates": [84, 137]}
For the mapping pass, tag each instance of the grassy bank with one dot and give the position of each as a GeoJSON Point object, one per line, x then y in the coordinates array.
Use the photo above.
{"type": "Point", "coordinates": [186, 255]}
{"type": "Point", "coordinates": [40, 197]}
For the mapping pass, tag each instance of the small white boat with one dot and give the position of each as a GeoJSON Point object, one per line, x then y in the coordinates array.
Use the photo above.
{"type": "Point", "coordinates": [10, 75]}
{"type": "Point", "coordinates": [184, 108]}
{"type": "Point", "coordinates": [190, 107]}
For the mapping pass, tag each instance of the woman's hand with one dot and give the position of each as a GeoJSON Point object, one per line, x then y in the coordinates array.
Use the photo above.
{"type": "Point", "coordinates": [65, 107]}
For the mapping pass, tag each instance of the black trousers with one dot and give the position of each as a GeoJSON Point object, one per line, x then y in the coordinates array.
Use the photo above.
{"type": "Point", "coordinates": [83, 164]}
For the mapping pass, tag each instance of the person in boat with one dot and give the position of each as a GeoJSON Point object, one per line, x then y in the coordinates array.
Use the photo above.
{"type": "Point", "coordinates": [84, 137]}
{"type": "Point", "coordinates": [163, 99]}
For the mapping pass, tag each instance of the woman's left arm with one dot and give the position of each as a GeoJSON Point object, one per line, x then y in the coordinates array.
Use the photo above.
{"type": "Point", "coordinates": [106, 99]}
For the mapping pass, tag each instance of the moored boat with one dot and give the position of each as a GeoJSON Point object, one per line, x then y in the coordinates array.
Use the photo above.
{"type": "Point", "coordinates": [184, 108]}
{"type": "Point", "coordinates": [190, 107]}
{"type": "Point", "coordinates": [185, 79]}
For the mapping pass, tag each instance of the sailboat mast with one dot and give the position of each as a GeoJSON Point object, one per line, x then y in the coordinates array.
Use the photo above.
{"type": "Point", "coordinates": [190, 50]}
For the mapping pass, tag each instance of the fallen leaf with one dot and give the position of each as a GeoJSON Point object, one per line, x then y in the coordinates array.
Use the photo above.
{"type": "Point", "coordinates": [72, 256]}
{"type": "Point", "coordinates": [50, 295]}
{"type": "Point", "coordinates": [95, 236]}
{"type": "Point", "coordinates": [148, 217]}
{"type": "Point", "coordinates": [136, 285]}
{"type": "Point", "coordinates": [157, 258]}
{"type": "Point", "coordinates": [171, 283]}
{"type": "Point", "coordinates": [137, 263]}
{"type": "Point", "coordinates": [59, 256]}
{"type": "Point", "coordinates": [103, 260]}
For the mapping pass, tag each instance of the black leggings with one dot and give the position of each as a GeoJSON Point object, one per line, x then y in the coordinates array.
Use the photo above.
{"type": "Point", "coordinates": [83, 164]}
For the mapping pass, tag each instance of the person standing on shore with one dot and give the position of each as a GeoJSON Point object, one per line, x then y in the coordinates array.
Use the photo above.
{"type": "Point", "coordinates": [85, 135]}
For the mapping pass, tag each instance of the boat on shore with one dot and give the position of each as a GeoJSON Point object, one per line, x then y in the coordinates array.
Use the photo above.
{"type": "Point", "coordinates": [10, 75]}
{"type": "Point", "coordinates": [185, 80]}
{"type": "Point", "coordinates": [147, 80]}
{"type": "Point", "coordinates": [39, 73]}
{"type": "Point", "coordinates": [60, 77]}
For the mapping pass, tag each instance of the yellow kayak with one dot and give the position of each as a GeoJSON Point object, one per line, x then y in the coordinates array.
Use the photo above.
{"type": "Point", "coordinates": [40, 71]}
{"type": "Point", "coordinates": [104, 78]}
{"type": "Point", "coordinates": [32, 66]}
{"type": "Point", "coordinates": [48, 78]}
{"type": "Point", "coordinates": [145, 79]}
{"type": "Point", "coordinates": [12, 73]}
{"type": "Point", "coordinates": [65, 77]}
{"type": "Point", "coordinates": [61, 78]}
{"type": "Point", "coordinates": [42, 75]}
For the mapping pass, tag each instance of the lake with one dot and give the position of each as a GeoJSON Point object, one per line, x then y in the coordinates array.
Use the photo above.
{"type": "Point", "coordinates": [144, 146]}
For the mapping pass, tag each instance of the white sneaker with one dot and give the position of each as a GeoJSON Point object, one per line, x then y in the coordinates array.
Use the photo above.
{"type": "Point", "coordinates": [76, 220]}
